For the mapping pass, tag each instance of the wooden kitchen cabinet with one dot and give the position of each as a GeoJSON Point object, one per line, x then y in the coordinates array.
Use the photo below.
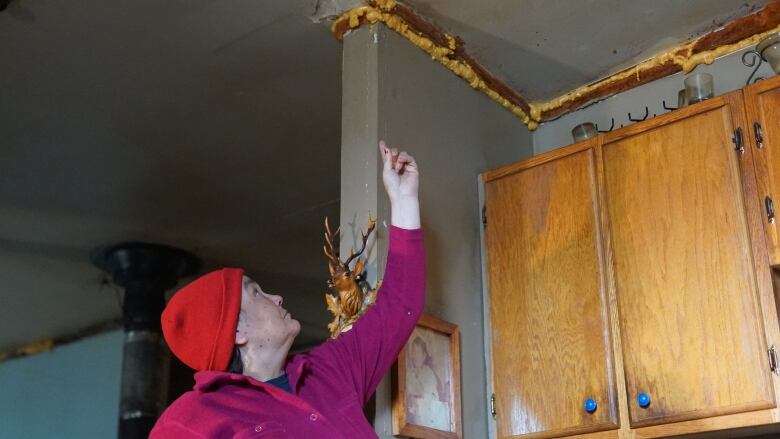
{"type": "Point", "coordinates": [636, 263]}
{"type": "Point", "coordinates": [763, 116]}
{"type": "Point", "coordinates": [685, 266]}
{"type": "Point", "coordinates": [550, 330]}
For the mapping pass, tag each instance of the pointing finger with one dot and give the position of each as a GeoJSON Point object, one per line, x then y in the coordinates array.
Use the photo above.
{"type": "Point", "coordinates": [384, 151]}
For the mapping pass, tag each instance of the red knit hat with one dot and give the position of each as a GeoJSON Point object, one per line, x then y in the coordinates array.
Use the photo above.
{"type": "Point", "coordinates": [199, 323]}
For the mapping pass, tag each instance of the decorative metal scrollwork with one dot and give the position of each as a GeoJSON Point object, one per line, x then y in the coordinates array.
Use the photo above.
{"type": "Point", "coordinates": [756, 59]}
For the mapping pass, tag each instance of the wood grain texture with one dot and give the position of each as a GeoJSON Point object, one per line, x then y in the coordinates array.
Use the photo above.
{"type": "Point", "coordinates": [763, 106]}
{"type": "Point", "coordinates": [739, 425]}
{"type": "Point", "coordinates": [689, 301]}
{"type": "Point", "coordinates": [725, 424]}
{"type": "Point", "coordinates": [718, 427]}
{"type": "Point", "coordinates": [537, 160]}
{"type": "Point", "coordinates": [614, 318]}
{"type": "Point", "coordinates": [550, 330]}
{"type": "Point", "coordinates": [753, 214]}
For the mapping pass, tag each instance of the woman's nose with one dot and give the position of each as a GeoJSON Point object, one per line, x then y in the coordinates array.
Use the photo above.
{"type": "Point", "coordinates": [277, 299]}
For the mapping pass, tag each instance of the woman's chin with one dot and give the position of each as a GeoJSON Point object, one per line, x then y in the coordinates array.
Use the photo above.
{"type": "Point", "coordinates": [295, 326]}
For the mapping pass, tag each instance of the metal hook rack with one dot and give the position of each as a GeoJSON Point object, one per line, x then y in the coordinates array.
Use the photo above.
{"type": "Point", "coordinates": [668, 108]}
{"type": "Point", "coordinates": [611, 127]}
{"type": "Point", "coordinates": [756, 61]}
{"type": "Point", "coordinates": [647, 113]}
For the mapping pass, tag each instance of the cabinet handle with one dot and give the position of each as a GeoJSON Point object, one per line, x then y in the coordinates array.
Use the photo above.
{"type": "Point", "coordinates": [773, 360]}
{"type": "Point", "coordinates": [643, 399]}
{"type": "Point", "coordinates": [738, 141]}
{"type": "Point", "coordinates": [759, 135]}
{"type": "Point", "coordinates": [770, 209]}
{"type": "Point", "coordinates": [590, 405]}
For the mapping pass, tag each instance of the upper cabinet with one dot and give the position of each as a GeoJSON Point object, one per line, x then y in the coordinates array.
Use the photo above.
{"type": "Point", "coordinates": [629, 283]}
{"type": "Point", "coordinates": [552, 367]}
{"type": "Point", "coordinates": [685, 276]}
{"type": "Point", "coordinates": [763, 112]}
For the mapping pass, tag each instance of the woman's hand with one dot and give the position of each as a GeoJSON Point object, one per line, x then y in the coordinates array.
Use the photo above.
{"type": "Point", "coordinates": [401, 178]}
{"type": "Point", "coordinates": [400, 173]}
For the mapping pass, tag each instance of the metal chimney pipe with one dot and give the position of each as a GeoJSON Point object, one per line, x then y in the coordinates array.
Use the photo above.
{"type": "Point", "coordinates": [145, 271]}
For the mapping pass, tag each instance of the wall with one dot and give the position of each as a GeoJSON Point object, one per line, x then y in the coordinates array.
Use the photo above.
{"type": "Point", "coordinates": [70, 392]}
{"type": "Point", "coordinates": [728, 71]}
{"type": "Point", "coordinates": [392, 90]}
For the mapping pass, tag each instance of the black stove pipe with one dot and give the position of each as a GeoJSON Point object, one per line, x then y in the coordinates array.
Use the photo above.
{"type": "Point", "coordinates": [145, 271]}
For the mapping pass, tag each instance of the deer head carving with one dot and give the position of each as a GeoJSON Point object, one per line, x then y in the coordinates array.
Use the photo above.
{"type": "Point", "coordinates": [350, 300]}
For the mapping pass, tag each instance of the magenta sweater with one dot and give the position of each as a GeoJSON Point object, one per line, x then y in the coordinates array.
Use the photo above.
{"type": "Point", "coordinates": [330, 383]}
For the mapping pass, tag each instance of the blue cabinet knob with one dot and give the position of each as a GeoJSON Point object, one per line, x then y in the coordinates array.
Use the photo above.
{"type": "Point", "coordinates": [590, 405]}
{"type": "Point", "coordinates": [643, 399]}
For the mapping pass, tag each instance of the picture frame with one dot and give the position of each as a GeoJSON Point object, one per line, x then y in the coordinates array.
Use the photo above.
{"type": "Point", "coordinates": [426, 383]}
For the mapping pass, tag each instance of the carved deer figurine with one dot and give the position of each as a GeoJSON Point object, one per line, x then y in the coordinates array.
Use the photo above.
{"type": "Point", "coordinates": [352, 295]}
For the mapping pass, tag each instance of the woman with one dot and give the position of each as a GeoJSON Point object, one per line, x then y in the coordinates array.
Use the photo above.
{"type": "Point", "coordinates": [224, 320]}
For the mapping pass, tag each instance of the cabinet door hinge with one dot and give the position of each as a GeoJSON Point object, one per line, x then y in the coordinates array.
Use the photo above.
{"type": "Point", "coordinates": [773, 360]}
{"type": "Point", "coordinates": [770, 209]}
{"type": "Point", "coordinates": [493, 405]}
{"type": "Point", "coordinates": [739, 144]}
{"type": "Point", "coordinates": [484, 216]}
{"type": "Point", "coordinates": [759, 135]}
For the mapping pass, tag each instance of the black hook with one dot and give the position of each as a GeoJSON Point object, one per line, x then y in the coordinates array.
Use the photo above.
{"type": "Point", "coordinates": [647, 113]}
{"type": "Point", "coordinates": [667, 108]}
{"type": "Point", "coordinates": [611, 127]}
{"type": "Point", "coordinates": [757, 60]}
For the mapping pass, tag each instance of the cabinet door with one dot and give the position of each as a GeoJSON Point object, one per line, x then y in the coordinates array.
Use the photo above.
{"type": "Point", "coordinates": [684, 266]}
{"type": "Point", "coordinates": [548, 311]}
{"type": "Point", "coordinates": [763, 106]}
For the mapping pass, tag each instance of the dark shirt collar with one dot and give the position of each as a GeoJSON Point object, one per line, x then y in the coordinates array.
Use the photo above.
{"type": "Point", "coordinates": [281, 382]}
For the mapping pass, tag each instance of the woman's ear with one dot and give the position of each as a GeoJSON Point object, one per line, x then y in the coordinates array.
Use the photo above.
{"type": "Point", "coordinates": [241, 338]}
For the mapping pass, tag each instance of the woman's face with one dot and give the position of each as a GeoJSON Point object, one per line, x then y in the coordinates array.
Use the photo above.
{"type": "Point", "coordinates": [262, 322]}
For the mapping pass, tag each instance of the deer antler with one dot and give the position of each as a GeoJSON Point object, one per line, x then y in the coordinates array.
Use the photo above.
{"type": "Point", "coordinates": [364, 238]}
{"type": "Point", "coordinates": [329, 247]}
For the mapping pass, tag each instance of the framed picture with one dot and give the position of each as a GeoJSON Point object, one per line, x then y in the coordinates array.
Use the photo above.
{"type": "Point", "coordinates": [426, 382]}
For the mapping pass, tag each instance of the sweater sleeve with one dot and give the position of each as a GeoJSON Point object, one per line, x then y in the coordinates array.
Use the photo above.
{"type": "Point", "coordinates": [367, 351]}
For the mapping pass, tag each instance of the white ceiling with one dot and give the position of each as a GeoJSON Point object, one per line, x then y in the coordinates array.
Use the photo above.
{"type": "Point", "coordinates": [545, 48]}
{"type": "Point", "coordinates": [209, 125]}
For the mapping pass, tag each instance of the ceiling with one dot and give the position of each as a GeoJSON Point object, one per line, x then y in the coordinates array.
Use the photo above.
{"type": "Point", "coordinates": [215, 126]}
{"type": "Point", "coordinates": [545, 48]}
{"type": "Point", "coordinates": [209, 125]}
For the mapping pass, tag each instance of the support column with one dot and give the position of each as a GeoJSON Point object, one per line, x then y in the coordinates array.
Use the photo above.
{"type": "Point", "coordinates": [360, 176]}
{"type": "Point", "coordinates": [361, 179]}
{"type": "Point", "coordinates": [145, 271]}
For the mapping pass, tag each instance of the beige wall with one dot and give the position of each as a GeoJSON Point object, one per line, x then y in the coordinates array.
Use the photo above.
{"type": "Point", "coordinates": [394, 91]}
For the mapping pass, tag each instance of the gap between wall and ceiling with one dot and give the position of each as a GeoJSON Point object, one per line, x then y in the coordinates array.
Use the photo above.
{"type": "Point", "coordinates": [450, 51]}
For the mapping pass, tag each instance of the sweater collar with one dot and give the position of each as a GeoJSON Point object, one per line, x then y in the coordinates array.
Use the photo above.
{"type": "Point", "coordinates": [210, 380]}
